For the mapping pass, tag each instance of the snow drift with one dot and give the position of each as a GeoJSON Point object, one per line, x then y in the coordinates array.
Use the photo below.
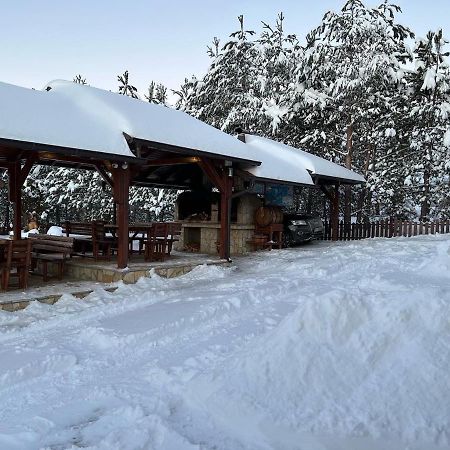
{"type": "Point", "coordinates": [342, 346]}
{"type": "Point", "coordinates": [352, 363]}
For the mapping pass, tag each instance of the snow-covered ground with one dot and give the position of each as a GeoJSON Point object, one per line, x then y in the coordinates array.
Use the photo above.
{"type": "Point", "coordinates": [328, 346]}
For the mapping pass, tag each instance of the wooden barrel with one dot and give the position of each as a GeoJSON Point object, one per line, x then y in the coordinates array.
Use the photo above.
{"type": "Point", "coordinates": [267, 215]}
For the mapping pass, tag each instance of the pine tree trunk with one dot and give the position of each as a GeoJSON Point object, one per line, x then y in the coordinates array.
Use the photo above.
{"type": "Point", "coordinates": [364, 191]}
{"type": "Point", "coordinates": [348, 165]}
{"type": "Point", "coordinates": [425, 207]}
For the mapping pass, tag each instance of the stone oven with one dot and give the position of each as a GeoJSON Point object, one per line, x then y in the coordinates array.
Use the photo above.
{"type": "Point", "coordinates": [199, 212]}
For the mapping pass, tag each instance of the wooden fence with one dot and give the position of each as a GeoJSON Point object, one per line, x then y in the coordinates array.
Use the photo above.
{"type": "Point", "coordinates": [387, 228]}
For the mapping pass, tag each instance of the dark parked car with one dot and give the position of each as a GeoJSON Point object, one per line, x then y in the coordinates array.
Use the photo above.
{"type": "Point", "coordinates": [300, 228]}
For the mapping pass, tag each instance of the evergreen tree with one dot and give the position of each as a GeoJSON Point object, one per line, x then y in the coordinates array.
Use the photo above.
{"type": "Point", "coordinates": [224, 98]}
{"type": "Point", "coordinates": [429, 114]}
{"type": "Point", "coordinates": [157, 93]}
{"type": "Point", "coordinates": [125, 88]}
{"type": "Point", "coordinates": [345, 81]}
{"type": "Point", "coordinates": [79, 79]}
{"type": "Point", "coordinates": [278, 55]}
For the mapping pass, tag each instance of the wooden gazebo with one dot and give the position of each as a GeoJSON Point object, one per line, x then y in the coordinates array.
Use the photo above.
{"type": "Point", "coordinates": [130, 142]}
{"type": "Point", "coordinates": [127, 141]}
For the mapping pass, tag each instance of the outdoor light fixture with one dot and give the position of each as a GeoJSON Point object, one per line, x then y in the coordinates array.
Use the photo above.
{"type": "Point", "coordinates": [229, 164]}
{"type": "Point", "coordinates": [115, 165]}
{"type": "Point", "coordinates": [125, 165]}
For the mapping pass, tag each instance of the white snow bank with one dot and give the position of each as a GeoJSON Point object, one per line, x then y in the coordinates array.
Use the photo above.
{"type": "Point", "coordinates": [346, 366]}
{"type": "Point", "coordinates": [368, 364]}
{"type": "Point", "coordinates": [332, 346]}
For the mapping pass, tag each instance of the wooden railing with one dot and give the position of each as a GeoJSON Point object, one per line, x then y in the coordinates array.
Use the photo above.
{"type": "Point", "coordinates": [386, 228]}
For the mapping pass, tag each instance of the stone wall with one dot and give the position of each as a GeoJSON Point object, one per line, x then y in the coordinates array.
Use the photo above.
{"type": "Point", "coordinates": [81, 271]}
{"type": "Point", "coordinates": [209, 237]}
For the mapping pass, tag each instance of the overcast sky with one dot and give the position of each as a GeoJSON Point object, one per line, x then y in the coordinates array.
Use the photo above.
{"type": "Point", "coordinates": [163, 41]}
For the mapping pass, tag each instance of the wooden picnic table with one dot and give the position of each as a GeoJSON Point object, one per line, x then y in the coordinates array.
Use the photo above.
{"type": "Point", "coordinates": [136, 232]}
{"type": "Point", "coordinates": [133, 228]}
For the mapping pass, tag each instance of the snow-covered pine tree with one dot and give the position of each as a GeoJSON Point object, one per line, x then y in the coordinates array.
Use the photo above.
{"type": "Point", "coordinates": [125, 88]}
{"type": "Point", "coordinates": [157, 93]}
{"type": "Point", "coordinates": [430, 121]}
{"type": "Point", "coordinates": [79, 79]}
{"type": "Point", "coordinates": [276, 60]}
{"type": "Point", "coordinates": [343, 81]}
{"type": "Point", "coordinates": [224, 97]}
{"type": "Point", "coordinates": [186, 94]}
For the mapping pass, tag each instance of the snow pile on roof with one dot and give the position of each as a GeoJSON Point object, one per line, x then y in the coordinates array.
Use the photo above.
{"type": "Point", "coordinates": [75, 116]}
{"type": "Point", "coordinates": [48, 118]}
{"type": "Point", "coordinates": [273, 153]}
{"type": "Point", "coordinates": [67, 114]}
{"type": "Point", "coordinates": [150, 122]}
{"type": "Point", "coordinates": [276, 165]}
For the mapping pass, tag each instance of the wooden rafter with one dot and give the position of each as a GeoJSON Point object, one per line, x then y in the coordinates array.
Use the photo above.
{"type": "Point", "coordinates": [212, 173]}
{"type": "Point", "coordinates": [102, 172]}
{"type": "Point", "coordinates": [172, 161]}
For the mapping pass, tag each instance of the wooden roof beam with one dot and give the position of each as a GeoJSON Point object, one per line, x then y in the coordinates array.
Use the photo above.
{"type": "Point", "coordinates": [102, 172]}
{"type": "Point", "coordinates": [212, 173]}
{"type": "Point", "coordinates": [172, 161]}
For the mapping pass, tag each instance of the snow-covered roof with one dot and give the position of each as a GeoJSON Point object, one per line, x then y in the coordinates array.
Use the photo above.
{"type": "Point", "coordinates": [150, 122]}
{"type": "Point", "coordinates": [67, 114]}
{"type": "Point", "coordinates": [75, 116]}
{"type": "Point", "coordinates": [283, 162]}
{"type": "Point", "coordinates": [50, 118]}
{"type": "Point", "coordinates": [276, 165]}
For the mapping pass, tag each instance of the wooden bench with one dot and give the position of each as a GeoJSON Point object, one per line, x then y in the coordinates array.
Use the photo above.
{"type": "Point", "coordinates": [259, 242]}
{"type": "Point", "coordinates": [50, 249]}
{"type": "Point", "coordinates": [83, 238]}
{"type": "Point", "coordinates": [173, 234]}
{"type": "Point", "coordinates": [102, 246]}
{"type": "Point", "coordinates": [274, 233]}
{"type": "Point", "coordinates": [156, 243]}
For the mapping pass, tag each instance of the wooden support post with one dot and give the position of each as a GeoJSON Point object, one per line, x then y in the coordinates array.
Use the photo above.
{"type": "Point", "coordinates": [17, 176]}
{"type": "Point", "coordinates": [225, 217]}
{"type": "Point", "coordinates": [15, 196]}
{"type": "Point", "coordinates": [121, 189]}
{"type": "Point", "coordinates": [334, 219]}
{"type": "Point", "coordinates": [223, 180]}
